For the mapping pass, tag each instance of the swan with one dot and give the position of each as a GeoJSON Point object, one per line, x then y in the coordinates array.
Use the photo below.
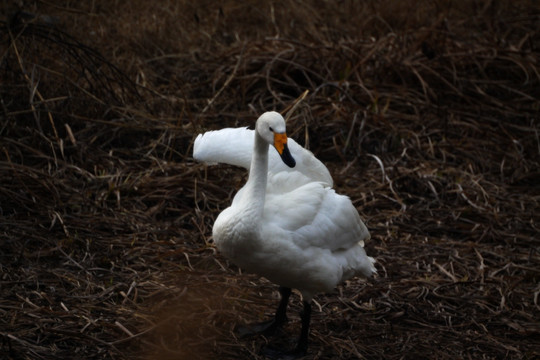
{"type": "Point", "coordinates": [287, 223]}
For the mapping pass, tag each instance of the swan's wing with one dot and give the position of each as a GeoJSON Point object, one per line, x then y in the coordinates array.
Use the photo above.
{"type": "Point", "coordinates": [306, 163]}
{"type": "Point", "coordinates": [234, 146]}
{"type": "Point", "coordinates": [317, 215]}
{"type": "Point", "coordinates": [231, 146]}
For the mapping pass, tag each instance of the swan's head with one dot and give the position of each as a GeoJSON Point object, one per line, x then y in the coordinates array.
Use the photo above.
{"type": "Point", "coordinates": [271, 127]}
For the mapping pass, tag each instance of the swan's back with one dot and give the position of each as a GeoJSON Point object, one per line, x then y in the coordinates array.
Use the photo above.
{"type": "Point", "coordinates": [234, 146]}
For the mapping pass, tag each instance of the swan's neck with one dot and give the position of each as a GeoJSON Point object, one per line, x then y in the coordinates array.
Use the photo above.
{"type": "Point", "coordinates": [255, 188]}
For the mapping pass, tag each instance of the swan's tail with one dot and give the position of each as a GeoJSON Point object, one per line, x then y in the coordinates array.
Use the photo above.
{"type": "Point", "coordinates": [357, 263]}
{"type": "Point", "coordinates": [372, 267]}
{"type": "Point", "coordinates": [366, 266]}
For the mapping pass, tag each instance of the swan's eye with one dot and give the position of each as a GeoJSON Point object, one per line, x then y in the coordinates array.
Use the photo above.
{"type": "Point", "coordinates": [270, 128]}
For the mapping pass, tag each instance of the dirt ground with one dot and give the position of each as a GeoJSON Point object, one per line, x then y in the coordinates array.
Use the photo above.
{"type": "Point", "coordinates": [426, 114]}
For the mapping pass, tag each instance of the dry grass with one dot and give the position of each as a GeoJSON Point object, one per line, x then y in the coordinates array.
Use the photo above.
{"type": "Point", "coordinates": [426, 114]}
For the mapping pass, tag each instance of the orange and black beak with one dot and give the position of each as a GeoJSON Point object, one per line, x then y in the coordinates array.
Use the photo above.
{"type": "Point", "coordinates": [280, 143]}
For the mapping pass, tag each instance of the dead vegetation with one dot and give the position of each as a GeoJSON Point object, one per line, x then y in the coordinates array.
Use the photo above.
{"type": "Point", "coordinates": [426, 113]}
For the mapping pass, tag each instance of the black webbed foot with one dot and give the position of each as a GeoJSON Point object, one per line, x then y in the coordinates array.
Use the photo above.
{"type": "Point", "coordinates": [266, 328]}
{"type": "Point", "coordinates": [301, 348]}
{"type": "Point", "coordinates": [280, 354]}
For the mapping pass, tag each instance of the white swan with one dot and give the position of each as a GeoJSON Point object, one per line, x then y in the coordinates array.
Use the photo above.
{"type": "Point", "coordinates": [287, 223]}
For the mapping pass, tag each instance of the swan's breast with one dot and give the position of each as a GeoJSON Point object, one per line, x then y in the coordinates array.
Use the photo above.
{"type": "Point", "coordinates": [235, 236]}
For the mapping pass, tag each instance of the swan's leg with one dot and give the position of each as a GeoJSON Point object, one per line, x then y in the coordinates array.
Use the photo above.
{"type": "Point", "coordinates": [305, 315]}
{"type": "Point", "coordinates": [281, 312]}
{"type": "Point", "coordinates": [301, 347]}
{"type": "Point", "coordinates": [269, 327]}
